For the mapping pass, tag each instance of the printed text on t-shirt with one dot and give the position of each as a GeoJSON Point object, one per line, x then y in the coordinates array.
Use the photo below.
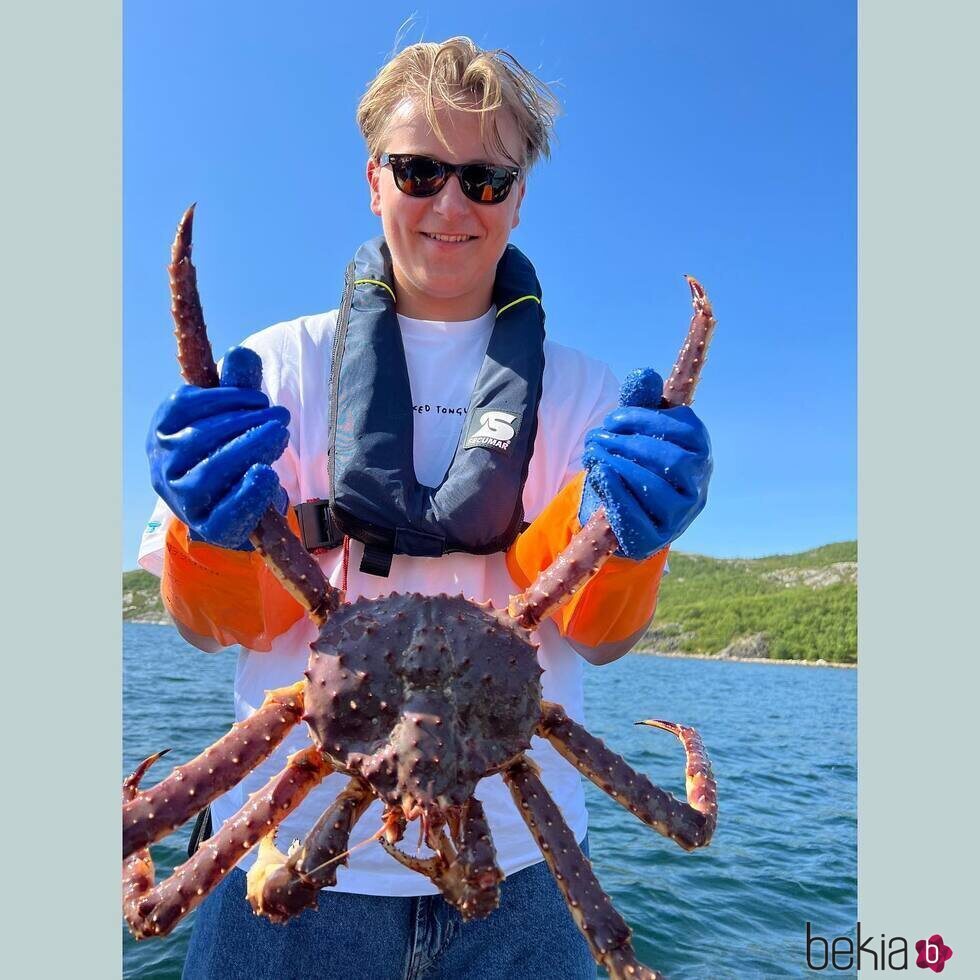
{"type": "Point", "coordinates": [440, 409]}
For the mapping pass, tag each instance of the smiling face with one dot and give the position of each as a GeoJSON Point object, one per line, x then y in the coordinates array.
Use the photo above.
{"type": "Point", "coordinates": [444, 280]}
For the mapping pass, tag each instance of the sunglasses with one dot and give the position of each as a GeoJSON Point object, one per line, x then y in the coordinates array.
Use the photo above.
{"type": "Point", "coordinates": [419, 176]}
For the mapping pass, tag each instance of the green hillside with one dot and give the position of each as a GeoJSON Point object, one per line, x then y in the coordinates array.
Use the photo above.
{"type": "Point", "coordinates": [787, 607]}
{"type": "Point", "coordinates": [141, 598]}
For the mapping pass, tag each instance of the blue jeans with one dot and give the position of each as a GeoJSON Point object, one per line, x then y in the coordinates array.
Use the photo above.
{"type": "Point", "coordinates": [530, 935]}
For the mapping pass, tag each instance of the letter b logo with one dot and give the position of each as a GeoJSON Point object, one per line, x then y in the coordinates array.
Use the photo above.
{"type": "Point", "coordinates": [933, 953]}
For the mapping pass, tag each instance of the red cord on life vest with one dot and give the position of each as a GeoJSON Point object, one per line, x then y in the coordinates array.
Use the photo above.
{"type": "Point", "coordinates": [343, 584]}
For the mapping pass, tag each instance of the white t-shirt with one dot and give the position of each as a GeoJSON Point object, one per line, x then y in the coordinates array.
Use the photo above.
{"type": "Point", "coordinates": [443, 362]}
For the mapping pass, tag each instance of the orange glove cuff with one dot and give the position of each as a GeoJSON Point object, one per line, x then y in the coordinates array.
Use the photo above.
{"type": "Point", "coordinates": [617, 603]}
{"type": "Point", "coordinates": [231, 596]}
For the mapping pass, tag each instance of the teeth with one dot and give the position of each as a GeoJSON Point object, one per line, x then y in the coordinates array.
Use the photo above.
{"type": "Point", "coordinates": [447, 238]}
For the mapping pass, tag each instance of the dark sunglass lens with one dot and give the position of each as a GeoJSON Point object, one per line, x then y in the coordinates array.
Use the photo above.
{"type": "Point", "coordinates": [418, 176]}
{"type": "Point", "coordinates": [486, 185]}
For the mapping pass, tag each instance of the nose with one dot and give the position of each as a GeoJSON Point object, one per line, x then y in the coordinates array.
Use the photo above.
{"type": "Point", "coordinates": [450, 202]}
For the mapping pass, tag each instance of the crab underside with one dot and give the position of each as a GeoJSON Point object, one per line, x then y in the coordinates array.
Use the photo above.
{"type": "Point", "coordinates": [416, 699]}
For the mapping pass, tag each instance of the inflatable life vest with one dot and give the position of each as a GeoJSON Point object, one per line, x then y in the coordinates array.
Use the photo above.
{"type": "Point", "coordinates": [375, 496]}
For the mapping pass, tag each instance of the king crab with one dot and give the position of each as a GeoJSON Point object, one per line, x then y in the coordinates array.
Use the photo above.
{"type": "Point", "coordinates": [415, 698]}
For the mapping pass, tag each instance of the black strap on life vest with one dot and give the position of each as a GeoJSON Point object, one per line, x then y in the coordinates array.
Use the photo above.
{"type": "Point", "coordinates": [375, 495]}
{"type": "Point", "coordinates": [201, 832]}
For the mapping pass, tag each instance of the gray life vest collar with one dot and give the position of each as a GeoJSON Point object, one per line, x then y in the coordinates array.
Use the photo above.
{"type": "Point", "coordinates": [375, 495]}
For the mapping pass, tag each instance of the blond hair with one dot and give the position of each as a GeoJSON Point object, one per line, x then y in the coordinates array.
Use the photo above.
{"type": "Point", "coordinates": [459, 75]}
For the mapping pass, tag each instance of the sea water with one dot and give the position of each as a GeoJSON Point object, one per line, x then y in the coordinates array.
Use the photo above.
{"type": "Point", "coordinates": [782, 741]}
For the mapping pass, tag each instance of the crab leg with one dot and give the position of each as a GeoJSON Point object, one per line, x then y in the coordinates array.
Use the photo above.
{"type": "Point", "coordinates": [604, 928]}
{"type": "Point", "coordinates": [574, 567]}
{"type": "Point", "coordinates": [154, 813]}
{"type": "Point", "coordinates": [153, 910]}
{"type": "Point", "coordinates": [288, 560]}
{"type": "Point", "coordinates": [689, 824]}
{"type": "Point", "coordinates": [589, 550]}
{"type": "Point", "coordinates": [684, 378]}
{"type": "Point", "coordinates": [193, 347]}
{"type": "Point", "coordinates": [280, 886]}
{"type": "Point", "coordinates": [465, 871]}
{"type": "Point", "coordinates": [477, 862]}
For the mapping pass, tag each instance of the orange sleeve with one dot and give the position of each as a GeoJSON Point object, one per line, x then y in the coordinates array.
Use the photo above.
{"type": "Point", "coordinates": [231, 596]}
{"type": "Point", "coordinates": [621, 598]}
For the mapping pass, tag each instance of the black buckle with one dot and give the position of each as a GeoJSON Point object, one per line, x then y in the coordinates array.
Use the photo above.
{"type": "Point", "coordinates": [316, 526]}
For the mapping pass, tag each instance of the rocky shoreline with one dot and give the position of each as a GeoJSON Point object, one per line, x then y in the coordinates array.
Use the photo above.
{"type": "Point", "coordinates": [719, 657]}
{"type": "Point", "coordinates": [728, 659]}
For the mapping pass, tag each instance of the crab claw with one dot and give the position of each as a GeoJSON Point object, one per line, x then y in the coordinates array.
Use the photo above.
{"type": "Point", "coordinates": [270, 859]}
{"type": "Point", "coordinates": [702, 793]}
{"type": "Point", "coordinates": [185, 232]}
{"type": "Point", "coordinates": [667, 726]}
{"type": "Point", "coordinates": [131, 783]}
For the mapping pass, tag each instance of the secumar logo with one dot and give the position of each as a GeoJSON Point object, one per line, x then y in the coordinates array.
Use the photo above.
{"type": "Point", "coordinates": [495, 430]}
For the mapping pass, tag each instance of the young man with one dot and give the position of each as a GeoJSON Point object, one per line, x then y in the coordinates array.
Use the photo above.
{"type": "Point", "coordinates": [435, 419]}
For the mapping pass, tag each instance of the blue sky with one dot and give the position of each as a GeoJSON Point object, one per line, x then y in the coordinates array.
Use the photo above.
{"type": "Point", "coordinates": [708, 138]}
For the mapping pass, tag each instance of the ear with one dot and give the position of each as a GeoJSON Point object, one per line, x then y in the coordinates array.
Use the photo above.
{"type": "Point", "coordinates": [522, 187]}
{"type": "Point", "coordinates": [373, 174]}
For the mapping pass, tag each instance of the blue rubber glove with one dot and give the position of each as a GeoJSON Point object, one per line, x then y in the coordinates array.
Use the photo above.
{"type": "Point", "coordinates": [649, 466]}
{"type": "Point", "coordinates": [210, 451]}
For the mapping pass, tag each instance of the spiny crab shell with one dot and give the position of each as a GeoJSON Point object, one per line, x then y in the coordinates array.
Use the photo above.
{"type": "Point", "coordinates": [398, 692]}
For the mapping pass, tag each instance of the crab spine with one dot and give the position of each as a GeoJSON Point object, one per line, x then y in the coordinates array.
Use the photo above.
{"type": "Point", "coordinates": [288, 560]}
